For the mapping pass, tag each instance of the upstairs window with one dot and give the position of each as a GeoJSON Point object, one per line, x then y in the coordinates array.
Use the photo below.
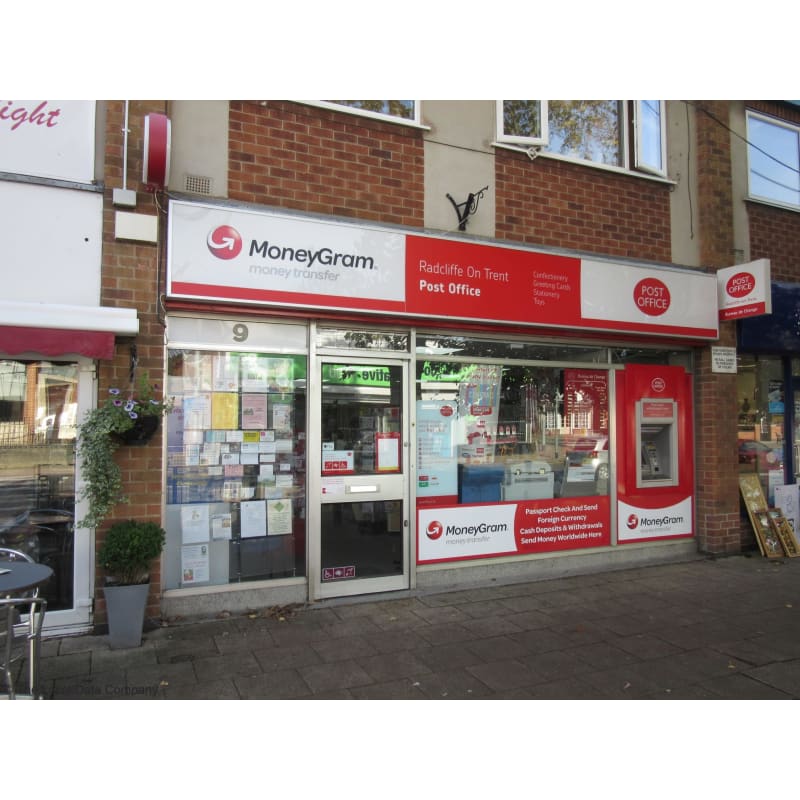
{"type": "Point", "coordinates": [613, 133]}
{"type": "Point", "coordinates": [395, 110]}
{"type": "Point", "coordinates": [773, 160]}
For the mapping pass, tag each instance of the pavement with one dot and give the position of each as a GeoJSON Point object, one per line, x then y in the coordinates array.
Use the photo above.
{"type": "Point", "coordinates": [703, 629]}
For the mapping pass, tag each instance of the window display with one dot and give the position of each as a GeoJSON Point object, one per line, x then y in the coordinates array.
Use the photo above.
{"type": "Point", "coordinates": [235, 467]}
{"type": "Point", "coordinates": [761, 420]}
{"type": "Point", "coordinates": [497, 432]}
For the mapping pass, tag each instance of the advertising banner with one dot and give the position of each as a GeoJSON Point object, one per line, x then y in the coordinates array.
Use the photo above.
{"type": "Point", "coordinates": [234, 254]}
{"type": "Point", "coordinates": [532, 526]}
{"type": "Point", "coordinates": [437, 465]}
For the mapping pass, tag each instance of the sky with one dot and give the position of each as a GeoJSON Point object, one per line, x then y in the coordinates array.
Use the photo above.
{"type": "Point", "coordinates": [429, 50]}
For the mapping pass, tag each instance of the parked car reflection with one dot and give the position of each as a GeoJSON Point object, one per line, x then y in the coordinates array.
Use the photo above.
{"type": "Point", "coordinates": [760, 454]}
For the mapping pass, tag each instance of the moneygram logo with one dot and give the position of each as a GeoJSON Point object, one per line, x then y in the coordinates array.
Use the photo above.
{"type": "Point", "coordinates": [633, 522]}
{"type": "Point", "coordinates": [434, 530]}
{"type": "Point", "coordinates": [224, 242]}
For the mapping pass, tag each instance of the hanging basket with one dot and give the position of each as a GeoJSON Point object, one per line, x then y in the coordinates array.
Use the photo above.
{"type": "Point", "coordinates": [142, 432]}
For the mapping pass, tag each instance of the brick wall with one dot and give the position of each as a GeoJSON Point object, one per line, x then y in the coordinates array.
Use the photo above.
{"type": "Point", "coordinates": [314, 160]}
{"type": "Point", "coordinates": [130, 279]}
{"type": "Point", "coordinates": [718, 520]}
{"type": "Point", "coordinates": [560, 204]}
{"type": "Point", "coordinates": [775, 234]}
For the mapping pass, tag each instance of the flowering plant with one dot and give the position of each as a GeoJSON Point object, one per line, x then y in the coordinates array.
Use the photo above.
{"type": "Point", "coordinates": [117, 421]}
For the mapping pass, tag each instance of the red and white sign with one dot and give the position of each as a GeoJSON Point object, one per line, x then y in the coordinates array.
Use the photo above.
{"type": "Point", "coordinates": [744, 290]}
{"type": "Point", "coordinates": [305, 263]}
{"type": "Point", "coordinates": [642, 523]}
{"type": "Point", "coordinates": [462, 532]}
{"type": "Point", "coordinates": [48, 138]}
{"type": "Point", "coordinates": [337, 462]}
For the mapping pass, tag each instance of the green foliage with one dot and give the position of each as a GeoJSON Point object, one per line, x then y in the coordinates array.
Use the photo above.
{"type": "Point", "coordinates": [98, 441]}
{"type": "Point", "coordinates": [128, 550]}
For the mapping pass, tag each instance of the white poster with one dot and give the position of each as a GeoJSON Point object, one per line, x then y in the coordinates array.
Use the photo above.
{"type": "Point", "coordinates": [194, 523]}
{"type": "Point", "coordinates": [194, 564]}
{"type": "Point", "coordinates": [253, 518]}
{"type": "Point", "coordinates": [787, 499]}
{"type": "Point", "coordinates": [279, 517]}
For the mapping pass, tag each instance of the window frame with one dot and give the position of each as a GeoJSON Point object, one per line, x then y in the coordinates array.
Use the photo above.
{"type": "Point", "coordinates": [778, 123]}
{"type": "Point", "coordinates": [631, 145]}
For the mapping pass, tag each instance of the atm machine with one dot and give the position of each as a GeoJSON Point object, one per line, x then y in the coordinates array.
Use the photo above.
{"type": "Point", "coordinates": [654, 453]}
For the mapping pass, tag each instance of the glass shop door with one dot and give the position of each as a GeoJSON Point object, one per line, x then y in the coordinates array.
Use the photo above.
{"type": "Point", "coordinates": [362, 527]}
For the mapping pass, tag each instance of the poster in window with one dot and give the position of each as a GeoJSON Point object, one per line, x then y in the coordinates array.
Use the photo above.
{"type": "Point", "coordinates": [224, 410]}
{"type": "Point", "coordinates": [194, 564]}
{"type": "Point", "coordinates": [197, 412]}
{"type": "Point", "coordinates": [226, 372]}
{"type": "Point", "coordinates": [280, 372]}
{"type": "Point", "coordinates": [387, 452]}
{"type": "Point", "coordinates": [279, 517]}
{"type": "Point", "coordinates": [253, 518]}
{"type": "Point", "coordinates": [255, 373]}
{"type": "Point", "coordinates": [254, 412]}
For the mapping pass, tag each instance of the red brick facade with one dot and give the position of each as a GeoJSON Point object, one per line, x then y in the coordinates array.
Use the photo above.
{"type": "Point", "coordinates": [560, 204]}
{"type": "Point", "coordinates": [310, 159]}
{"type": "Point", "coordinates": [130, 279]}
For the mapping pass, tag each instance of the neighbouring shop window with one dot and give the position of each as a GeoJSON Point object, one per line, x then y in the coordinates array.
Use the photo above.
{"type": "Point", "coordinates": [761, 436]}
{"type": "Point", "coordinates": [773, 154]}
{"type": "Point", "coordinates": [38, 416]}
{"type": "Point", "coordinates": [236, 467]}
{"type": "Point", "coordinates": [589, 130]}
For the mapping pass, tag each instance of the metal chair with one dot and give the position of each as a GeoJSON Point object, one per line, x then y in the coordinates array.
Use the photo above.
{"type": "Point", "coordinates": [9, 554]}
{"type": "Point", "coordinates": [20, 640]}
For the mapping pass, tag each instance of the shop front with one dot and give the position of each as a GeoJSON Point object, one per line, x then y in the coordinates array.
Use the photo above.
{"type": "Point", "coordinates": [361, 410]}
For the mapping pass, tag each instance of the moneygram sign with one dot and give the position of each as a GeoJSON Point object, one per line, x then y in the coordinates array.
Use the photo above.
{"type": "Point", "coordinates": [250, 256]}
{"type": "Point", "coordinates": [635, 523]}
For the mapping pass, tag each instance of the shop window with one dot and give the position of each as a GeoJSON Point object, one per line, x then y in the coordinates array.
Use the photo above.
{"type": "Point", "coordinates": [38, 415]}
{"type": "Point", "coordinates": [761, 442]}
{"type": "Point", "coordinates": [773, 153]}
{"type": "Point", "coordinates": [595, 131]}
{"type": "Point", "coordinates": [518, 349]}
{"type": "Point", "coordinates": [489, 433]}
{"type": "Point", "coordinates": [236, 467]}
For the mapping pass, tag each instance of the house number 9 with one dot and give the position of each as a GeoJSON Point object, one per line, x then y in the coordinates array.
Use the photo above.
{"type": "Point", "coordinates": [240, 332]}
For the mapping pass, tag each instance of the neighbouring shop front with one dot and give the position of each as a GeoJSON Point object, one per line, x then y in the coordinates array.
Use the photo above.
{"type": "Point", "coordinates": [364, 410]}
{"type": "Point", "coordinates": [53, 333]}
{"type": "Point", "coordinates": [769, 399]}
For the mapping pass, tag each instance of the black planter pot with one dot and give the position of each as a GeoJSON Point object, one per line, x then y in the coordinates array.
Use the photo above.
{"type": "Point", "coordinates": [142, 431]}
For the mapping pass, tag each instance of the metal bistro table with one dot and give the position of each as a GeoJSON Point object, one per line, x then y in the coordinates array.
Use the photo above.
{"type": "Point", "coordinates": [19, 585]}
